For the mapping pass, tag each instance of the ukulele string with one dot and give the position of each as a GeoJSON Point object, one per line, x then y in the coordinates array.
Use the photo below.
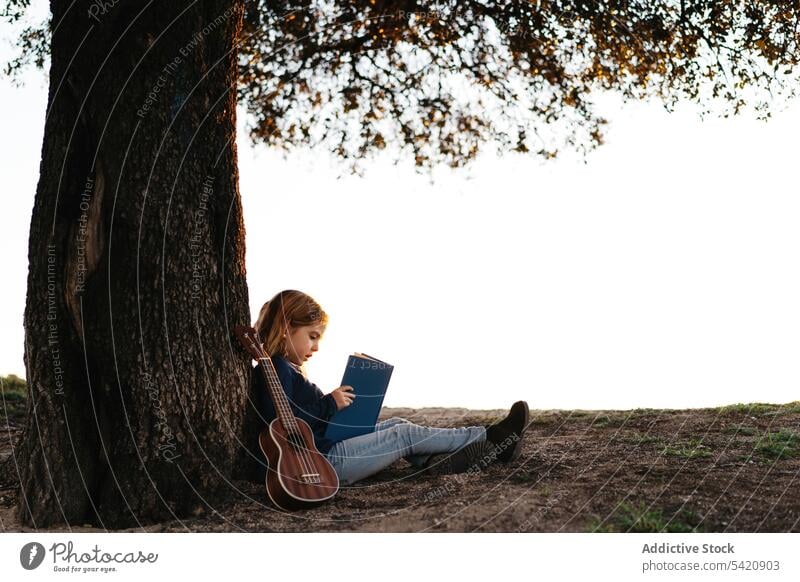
{"type": "Point", "coordinates": [304, 453]}
{"type": "Point", "coordinates": [295, 437]}
{"type": "Point", "coordinates": [278, 397]}
{"type": "Point", "coordinates": [250, 340]}
{"type": "Point", "coordinates": [299, 445]}
{"type": "Point", "coordinates": [286, 418]}
{"type": "Point", "coordinates": [283, 413]}
{"type": "Point", "coordinates": [306, 462]}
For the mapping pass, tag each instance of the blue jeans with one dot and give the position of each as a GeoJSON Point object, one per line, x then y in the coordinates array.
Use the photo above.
{"type": "Point", "coordinates": [396, 438]}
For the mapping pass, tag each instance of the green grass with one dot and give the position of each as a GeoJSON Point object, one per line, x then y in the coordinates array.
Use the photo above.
{"type": "Point", "coordinates": [788, 408]}
{"type": "Point", "coordinates": [740, 429]}
{"type": "Point", "coordinates": [781, 444]}
{"type": "Point", "coordinates": [605, 420]}
{"type": "Point", "coordinates": [542, 419]}
{"type": "Point", "coordinates": [691, 449]}
{"type": "Point", "coordinates": [759, 408]}
{"type": "Point", "coordinates": [639, 438]}
{"type": "Point", "coordinates": [14, 393]}
{"type": "Point", "coordinates": [646, 411]}
{"type": "Point", "coordinates": [638, 519]}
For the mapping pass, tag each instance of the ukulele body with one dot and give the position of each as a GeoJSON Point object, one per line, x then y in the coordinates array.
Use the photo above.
{"type": "Point", "coordinates": [298, 475]}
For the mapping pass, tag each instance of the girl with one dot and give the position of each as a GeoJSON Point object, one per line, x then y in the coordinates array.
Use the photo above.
{"type": "Point", "coordinates": [290, 326]}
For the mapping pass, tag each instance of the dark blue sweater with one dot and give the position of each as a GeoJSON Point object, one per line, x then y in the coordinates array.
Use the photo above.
{"type": "Point", "coordinates": [305, 399]}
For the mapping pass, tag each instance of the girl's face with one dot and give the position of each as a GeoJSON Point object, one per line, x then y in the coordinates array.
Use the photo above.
{"type": "Point", "coordinates": [303, 341]}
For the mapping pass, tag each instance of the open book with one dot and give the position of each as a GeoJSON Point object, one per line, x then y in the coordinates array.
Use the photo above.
{"type": "Point", "coordinates": [369, 378]}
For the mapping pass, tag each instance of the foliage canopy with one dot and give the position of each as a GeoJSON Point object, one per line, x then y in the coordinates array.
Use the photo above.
{"type": "Point", "coordinates": [440, 80]}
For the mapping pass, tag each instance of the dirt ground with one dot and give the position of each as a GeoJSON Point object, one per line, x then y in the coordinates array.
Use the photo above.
{"type": "Point", "coordinates": [729, 469]}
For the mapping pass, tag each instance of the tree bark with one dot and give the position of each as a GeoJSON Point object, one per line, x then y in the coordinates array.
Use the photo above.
{"type": "Point", "coordinates": [138, 395]}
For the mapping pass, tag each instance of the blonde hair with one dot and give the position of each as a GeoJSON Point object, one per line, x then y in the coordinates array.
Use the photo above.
{"type": "Point", "coordinates": [287, 310]}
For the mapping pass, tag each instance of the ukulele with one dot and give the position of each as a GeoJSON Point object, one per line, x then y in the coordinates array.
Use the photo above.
{"type": "Point", "coordinates": [298, 475]}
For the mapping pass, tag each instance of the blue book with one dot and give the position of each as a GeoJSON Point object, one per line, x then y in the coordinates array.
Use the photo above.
{"type": "Point", "coordinates": [369, 378]}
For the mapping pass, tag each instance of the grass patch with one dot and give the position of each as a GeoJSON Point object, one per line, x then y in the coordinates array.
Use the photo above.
{"type": "Point", "coordinates": [754, 408]}
{"type": "Point", "coordinates": [638, 519]}
{"type": "Point", "coordinates": [638, 438]}
{"type": "Point", "coordinates": [605, 420]}
{"type": "Point", "coordinates": [691, 449]}
{"type": "Point", "coordinates": [788, 408]}
{"type": "Point", "coordinates": [14, 393]}
{"type": "Point", "coordinates": [740, 429]}
{"type": "Point", "coordinates": [781, 444]}
{"type": "Point", "coordinates": [542, 419]}
{"type": "Point", "coordinates": [637, 412]}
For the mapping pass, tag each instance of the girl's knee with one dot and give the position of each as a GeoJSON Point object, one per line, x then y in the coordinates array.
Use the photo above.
{"type": "Point", "coordinates": [390, 423]}
{"type": "Point", "coordinates": [402, 432]}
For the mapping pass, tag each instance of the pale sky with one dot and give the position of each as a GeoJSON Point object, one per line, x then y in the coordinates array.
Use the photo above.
{"type": "Point", "coordinates": [660, 273]}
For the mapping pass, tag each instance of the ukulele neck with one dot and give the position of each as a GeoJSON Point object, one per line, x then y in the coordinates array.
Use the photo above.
{"type": "Point", "coordinates": [282, 409]}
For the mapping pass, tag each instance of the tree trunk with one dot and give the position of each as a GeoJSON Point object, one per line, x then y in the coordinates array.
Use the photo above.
{"type": "Point", "coordinates": [138, 395]}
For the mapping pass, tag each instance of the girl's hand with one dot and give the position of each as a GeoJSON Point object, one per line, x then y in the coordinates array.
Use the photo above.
{"type": "Point", "coordinates": [343, 396]}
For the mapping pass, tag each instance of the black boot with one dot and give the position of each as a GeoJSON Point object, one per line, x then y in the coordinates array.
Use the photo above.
{"type": "Point", "coordinates": [506, 435]}
{"type": "Point", "coordinates": [473, 457]}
